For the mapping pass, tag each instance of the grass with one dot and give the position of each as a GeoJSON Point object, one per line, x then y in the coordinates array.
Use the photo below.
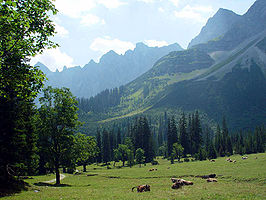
{"type": "Point", "coordinates": [244, 179]}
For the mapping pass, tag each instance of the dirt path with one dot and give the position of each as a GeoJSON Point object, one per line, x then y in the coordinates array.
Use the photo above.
{"type": "Point", "coordinates": [62, 176]}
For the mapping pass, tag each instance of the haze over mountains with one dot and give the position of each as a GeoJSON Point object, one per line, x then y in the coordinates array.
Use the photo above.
{"type": "Point", "coordinates": [112, 71]}
{"type": "Point", "coordinates": [223, 73]}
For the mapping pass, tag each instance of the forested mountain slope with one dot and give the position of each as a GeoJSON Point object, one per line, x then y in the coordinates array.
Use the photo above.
{"type": "Point", "coordinates": [232, 85]}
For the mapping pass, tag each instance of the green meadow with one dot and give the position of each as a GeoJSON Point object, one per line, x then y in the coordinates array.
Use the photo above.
{"type": "Point", "coordinates": [245, 179]}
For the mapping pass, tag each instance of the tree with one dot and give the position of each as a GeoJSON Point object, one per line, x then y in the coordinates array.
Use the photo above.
{"type": "Point", "coordinates": [130, 155]}
{"type": "Point", "coordinates": [59, 121]}
{"type": "Point", "coordinates": [106, 150]}
{"type": "Point", "coordinates": [123, 152]}
{"type": "Point", "coordinates": [177, 151]}
{"type": "Point", "coordinates": [99, 145]}
{"type": "Point", "coordinates": [183, 134]}
{"type": "Point", "coordinates": [25, 30]}
{"type": "Point", "coordinates": [85, 149]}
{"type": "Point", "coordinates": [116, 156]}
{"type": "Point", "coordinates": [139, 156]}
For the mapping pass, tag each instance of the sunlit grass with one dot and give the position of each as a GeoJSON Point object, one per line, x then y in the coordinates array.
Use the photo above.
{"type": "Point", "coordinates": [244, 179]}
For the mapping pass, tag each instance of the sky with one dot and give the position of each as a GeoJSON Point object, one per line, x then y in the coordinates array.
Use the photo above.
{"type": "Point", "coordinates": [87, 29]}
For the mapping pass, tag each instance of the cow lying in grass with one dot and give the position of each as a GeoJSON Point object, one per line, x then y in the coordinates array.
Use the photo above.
{"type": "Point", "coordinates": [212, 180]}
{"type": "Point", "coordinates": [153, 169]}
{"type": "Point", "coordinates": [142, 188]}
{"type": "Point", "coordinates": [179, 183]}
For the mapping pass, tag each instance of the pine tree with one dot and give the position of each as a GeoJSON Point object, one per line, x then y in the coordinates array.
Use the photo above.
{"type": "Point", "coordinates": [118, 136]}
{"type": "Point", "coordinates": [183, 134]}
{"type": "Point", "coordinates": [99, 144]}
{"type": "Point", "coordinates": [106, 150]}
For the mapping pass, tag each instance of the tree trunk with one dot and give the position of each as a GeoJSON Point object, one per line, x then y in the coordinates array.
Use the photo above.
{"type": "Point", "coordinates": [123, 163]}
{"type": "Point", "coordinates": [84, 168]}
{"type": "Point", "coordinates": [64, 170]}
{"type": "Point", "coordinates": [57, 173]}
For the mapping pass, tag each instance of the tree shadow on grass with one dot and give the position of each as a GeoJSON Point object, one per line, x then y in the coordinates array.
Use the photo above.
{"type": "Point", "coordinates": [51, 184]}
{"type": "Point", "coordinates": [12, 187]}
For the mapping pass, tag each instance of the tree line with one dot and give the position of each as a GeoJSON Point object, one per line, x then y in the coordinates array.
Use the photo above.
{"type": "Point", "coordinates": [175, 139]}
{"type": "Point", "coordinates": [102, 101]}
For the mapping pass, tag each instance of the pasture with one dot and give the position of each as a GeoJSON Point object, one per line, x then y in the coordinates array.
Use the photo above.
{"type": "Point", "coordinates": [245, 179]}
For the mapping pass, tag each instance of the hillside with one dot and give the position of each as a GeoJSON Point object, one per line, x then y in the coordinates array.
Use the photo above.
{"type": "Point", "coordinates": [233, 86]}
{"type": "Point", "coordinates": [248, 25]}
{"type": "Point", "coordinates": [112, 71]}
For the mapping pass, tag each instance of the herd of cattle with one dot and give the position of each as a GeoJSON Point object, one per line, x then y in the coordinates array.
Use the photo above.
{"type": "Point", "coordinates": [178, 183]}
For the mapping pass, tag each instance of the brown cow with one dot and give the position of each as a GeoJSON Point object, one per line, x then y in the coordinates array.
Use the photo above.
{"type": "Point", "coordinates": [212, 180]}
{"type": "Point", "coordinates": [142, 188]}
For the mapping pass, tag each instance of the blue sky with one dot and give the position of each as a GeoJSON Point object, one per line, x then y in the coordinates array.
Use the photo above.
{"type": "Point", "coordinates": [86, 29]}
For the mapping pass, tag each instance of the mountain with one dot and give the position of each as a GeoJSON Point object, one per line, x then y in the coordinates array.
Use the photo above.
{"type": "Point", "coordinates": [248, 25]}
{"type": "Point", "coordinates": [226, 77]}
{"type": "Point", "coordinates": [216, 26]}
{"type": "Point", "coordinates": [112, 71]}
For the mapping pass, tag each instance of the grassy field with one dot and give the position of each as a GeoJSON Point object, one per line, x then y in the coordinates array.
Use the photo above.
{"type": "Point", "coordinates": [245, 179]}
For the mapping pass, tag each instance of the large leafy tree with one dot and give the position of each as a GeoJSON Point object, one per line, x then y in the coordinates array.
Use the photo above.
{"type": "Point", "coordinates": [85, 149]}
{"type": "Point", "coordinates": [58, 121]}
{"type": "Point", "coordinates": [25, 29]}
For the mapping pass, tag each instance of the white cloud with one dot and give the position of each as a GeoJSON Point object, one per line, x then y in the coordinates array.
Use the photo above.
{"type": "Point", "coordinates": [155, 43]}
{"type": "Point", "coordinates": [196, 13]}
{"type": "Point", "coordinates": [77, 8]}
{"type": "Point", "coordinates": [160, 9]}
{"type": "Point", "coordinates": [74, 9]}
{"type": "Point", "coordinates": [53, 59]}
{"type": "Point", "coordinates": [111, 4]}
{"type": "Point", "coordinates": [61, 31]}
{"type": "Point", "coordinates": [175, 2]}
{"type": "Point", "coordinates": [106, 44]}
{"type": "Point", "coordinates": [89, 20]}
{"type": "Point", "coordinates": [147, 1]}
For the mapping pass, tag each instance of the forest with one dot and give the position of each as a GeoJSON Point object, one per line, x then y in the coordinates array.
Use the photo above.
{"type": "Point", "coordinates": [39, 134]}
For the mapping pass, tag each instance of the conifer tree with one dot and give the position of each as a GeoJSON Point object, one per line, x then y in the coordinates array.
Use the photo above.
{"type": "Point", "coordinates": [183, 134]}
{"type": "Point", "coordinates": [99, 144]}
{"type": "Point", "coordinates": [106, 150]}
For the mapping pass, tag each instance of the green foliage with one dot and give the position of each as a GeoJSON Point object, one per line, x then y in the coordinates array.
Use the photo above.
{"type": "Point", "coordinates": [85, 149]}
{"type": "Point", "coordinates": [58, 123]}
{"type": "Point", "coordinates": [25, 30]}
{"type": "Point", "coordinates": [123, 152]}
{"type": "Point", "coordinates": [139, 156]}
{"type": "Point", "coordinates": [177, 151]}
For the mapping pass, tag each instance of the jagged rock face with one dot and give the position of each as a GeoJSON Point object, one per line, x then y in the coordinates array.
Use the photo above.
{"type": "Point", "coordinates": [249, 24]}
{"type": "Point", "coordinates": [216, 26]}
{"type": "Point", "coordinates": [112, 71]}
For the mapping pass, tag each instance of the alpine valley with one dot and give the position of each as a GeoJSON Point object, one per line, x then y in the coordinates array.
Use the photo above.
{"type": "Point", "coordinates": [221, 74]}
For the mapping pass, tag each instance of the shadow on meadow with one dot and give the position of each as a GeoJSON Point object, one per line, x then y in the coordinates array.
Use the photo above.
{"type": "Point", "coordinates": [51, 185]}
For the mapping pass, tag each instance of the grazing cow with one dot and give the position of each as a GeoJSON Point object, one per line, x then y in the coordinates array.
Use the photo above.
{"type": "Point", "coordinates": [234, 161]}
{"type": "Point", "coordinates": [142, 188]}
{"type": "Point", "coordinates": [212, 160]}
{"type": "Point", "coordinates": [244, 157]}
{"type": "Point", "coordinates": [228, 160]}
{"type": "Point", "coordinates": [211, 180]}
{"type": "Point", "coordinates": [153, 169]}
